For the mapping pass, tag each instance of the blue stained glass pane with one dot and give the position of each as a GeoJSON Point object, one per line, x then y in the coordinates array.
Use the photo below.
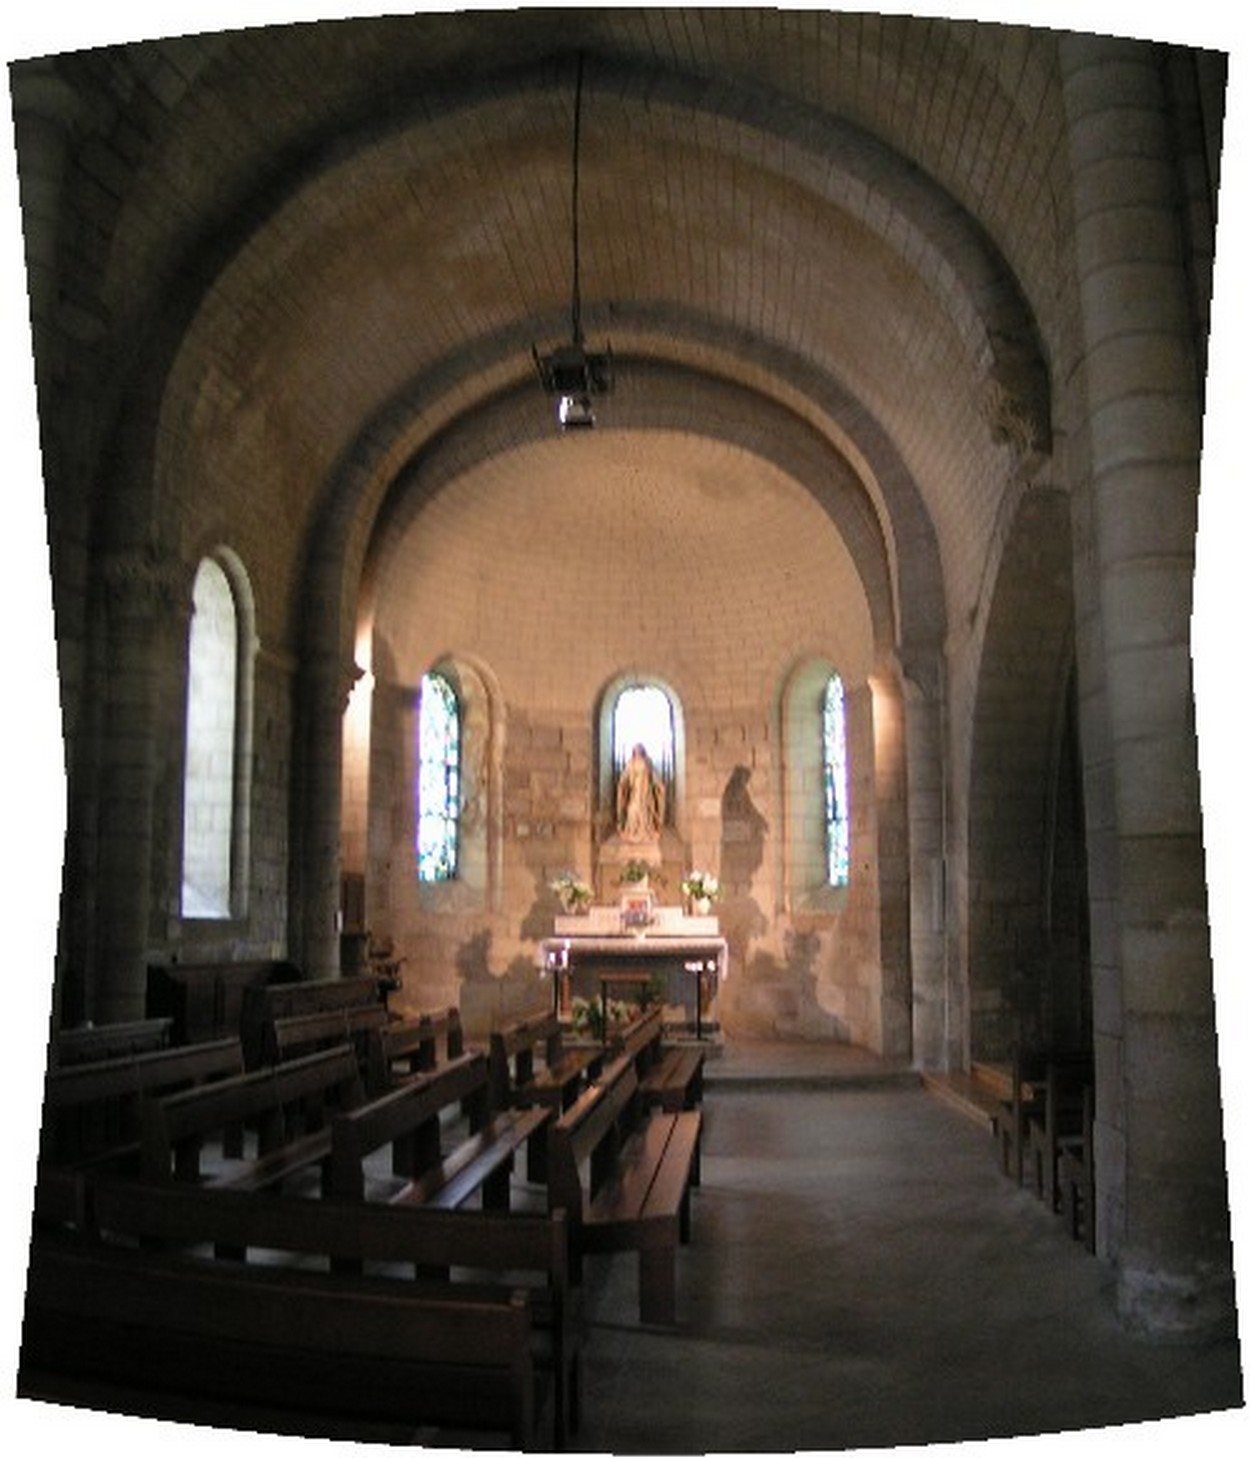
{"type": "Point", "coordinates": [837, 808]}
{"type": "Point", "coordinates": [438, 780]}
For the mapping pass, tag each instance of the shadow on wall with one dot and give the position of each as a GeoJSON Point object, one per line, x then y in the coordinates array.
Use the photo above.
{"type": "Point", "coordinates": [765, 996]}
{"type": "Point", "coordinates": [778, 998]}
{"type": "Point", "coordinates": [540, 918]}
{"type": "Point", "coordinates": [487, 1001]}
{"type": "Point", "coordinates": [744, 831]}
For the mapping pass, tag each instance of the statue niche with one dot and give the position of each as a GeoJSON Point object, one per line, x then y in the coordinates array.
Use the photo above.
{"type": "Point", "coordinates": [641, 800]}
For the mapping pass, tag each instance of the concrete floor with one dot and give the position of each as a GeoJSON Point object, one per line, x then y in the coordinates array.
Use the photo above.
{"type": "Point", "coordinates": [861, 1275]}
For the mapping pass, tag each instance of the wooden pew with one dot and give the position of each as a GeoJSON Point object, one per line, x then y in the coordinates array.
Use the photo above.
{"type": "Point", "coordinates": [476, 1251]}
{"type": "Point", "coordinates": [518, 1081]}
{"type": "Point", "coordinates": [668, 1078]}
{"type": "Point", "coordinates": [1011, 1119]}
{"type": "Point", "coordinates": [1057, 1119]}
{"type": "Point", "coordinates": [409, 1120]}
{"type": "Point", "coordinates": [1074, 1175]}
{"type": "Point", "coordinates": [289, 1037]}
{"type": "Point", "coordinates": [401, 1050]}
{"type": "Point", "coordinates": [265, 1003]}
{"type": "Point", "coordinates": [625, 1177]}
{"type": "Point", "coordinates": [205, 999]}
{"type": "Point", "coordinates": [288, 1106]}
{"type": "Point", "coordinates": [91, 1110]}
{"type": "Point", "coordinates": [270, 1347]}
{"type": "Point", "coordinates": [93, 1043]}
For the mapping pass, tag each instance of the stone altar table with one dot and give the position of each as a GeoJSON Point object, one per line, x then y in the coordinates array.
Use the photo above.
{"type": "Point", "coordinates": [599, 947]}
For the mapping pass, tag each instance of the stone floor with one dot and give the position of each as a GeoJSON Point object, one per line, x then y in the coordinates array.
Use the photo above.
{"type": "Point", "coordinates": [861, 1276]}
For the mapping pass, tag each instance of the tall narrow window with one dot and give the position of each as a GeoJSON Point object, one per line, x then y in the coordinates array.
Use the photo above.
{"type": "Point", "coordinates": [209, 781]}
{"type": "Point", "coordinates": [837, 816]}
{"type": "Point", "coordinates": [642, 715]}
{"type": "Point", "coordinates": [438, 780]}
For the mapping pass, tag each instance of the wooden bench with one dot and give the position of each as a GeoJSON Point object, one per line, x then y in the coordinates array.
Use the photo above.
{"type": "Point", "coordinates": [625, 1176]}
{"type": "Point", "coordinates": [401, 1050]}
{"type": "Point", "coordinates": [517, 1080]}
{"type": "Point", "coordinates": [308, 1032]}
{"type": "Point", "coordinates": [271, 1347]}
{"type": "Point", "coordinates": [91, 1110]}
{"type": "Point", "coordinates": [410, 1121]}
{"type": "Point", "coordinates": [94, 1043]}
{"type": "Point", "coordinates": [474, 1251]}
{"type": "Point", "coordinates": [1011, 1118]}
{"type": "Point", "coordinates": [668, 1078]}
{"type": "Point", "coordinates": [205, 999]}
{"type": "Point", "coordinates": [1074, 1175]}
{"type": "Point", "coordinates": [264, 1004]}
{"type": "Point", "coordinates": [288, 1106]}
{"type": "Point", "coordinates": [1058, 1118]}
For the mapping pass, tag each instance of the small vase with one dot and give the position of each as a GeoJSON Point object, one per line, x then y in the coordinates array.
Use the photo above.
{"type": "Point", "coordinates": [701, 905]}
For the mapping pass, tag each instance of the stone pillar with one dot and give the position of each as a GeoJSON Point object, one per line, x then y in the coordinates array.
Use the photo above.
{"type": "Point", "coordinates": [325, 685]}
{"type": "Point", "coordinates": [933, 1015]}
{"type": "Point", "coordinates": [893, 868]}
{"type": "Point", "coordinates": [1163, 1206]}
{"type": "Point", "coordinates": [146, 609]}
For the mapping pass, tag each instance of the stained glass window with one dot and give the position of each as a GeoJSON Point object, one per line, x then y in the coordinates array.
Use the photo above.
{"type": "Point", "coordinates": [837, 814]}
{"type": "Point", "coordinates": [438, 780]}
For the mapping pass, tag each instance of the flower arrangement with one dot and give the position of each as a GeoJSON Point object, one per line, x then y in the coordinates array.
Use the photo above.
{"type": "Point", "coordinates": [587, 1014]}
{"type": "Point", "coordinates": [573, 893]}
{"type": "Point", "coordinates": [701, 886]}
{"type": "Point", "coordinates": [632, 872]}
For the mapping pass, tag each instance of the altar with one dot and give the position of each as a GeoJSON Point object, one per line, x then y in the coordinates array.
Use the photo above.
{"type": "Point", "coordinates": [592, 954]}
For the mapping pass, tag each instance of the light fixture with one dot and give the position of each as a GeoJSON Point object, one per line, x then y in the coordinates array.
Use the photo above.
{"type": "Point", "coordinates": [570, 373]}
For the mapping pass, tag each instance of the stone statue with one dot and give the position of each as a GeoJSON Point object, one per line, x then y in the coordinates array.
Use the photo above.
{"type": "Point", "coordinates": [640, 798]}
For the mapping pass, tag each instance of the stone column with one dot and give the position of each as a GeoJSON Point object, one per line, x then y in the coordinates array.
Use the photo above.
{"type": "Point", "coordinates": [934, 1017]}
{"type": "Point", "coordinates": [325, 685]}
{"type": "Point", "coordinates": [1163, 1208]}
{"type": "Point", "coordinates": [893, 866]}
{"type": "Point", "coordinates": [146, 610]}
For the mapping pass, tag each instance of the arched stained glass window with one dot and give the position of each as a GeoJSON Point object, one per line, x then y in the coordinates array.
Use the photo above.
{"type": "Point", "coordinates": [438, 780]}
{"type": "Point", "coordinates": [837, 809]}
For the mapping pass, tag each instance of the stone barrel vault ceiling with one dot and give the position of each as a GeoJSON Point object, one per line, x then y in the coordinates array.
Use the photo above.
{"type": "Point", "coordinates": [786, 217]}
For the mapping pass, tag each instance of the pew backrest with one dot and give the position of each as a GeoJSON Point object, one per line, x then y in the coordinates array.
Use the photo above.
{"type": "Point", "coordinates": [640, 1039]}
{"type": "Point", "coordinates": [97, 1042]}
{"type": "Point", "coordinates": [288, 1037]}
{"type": "Point", "coordinates": [90, 1107]}
{"type": "Point", "coordinates": [409, 1119]}
{"type": "Point", "coordinates": [584, 1143]}
{"type": "Point", "coordinates": [401, 1049]}
{"type": "Point", "coordinates": [512, 1053]}
{"type": "Point", "coordinates": [276, 1101]}
{"type": "Point", "coordinates": [264, 1003]}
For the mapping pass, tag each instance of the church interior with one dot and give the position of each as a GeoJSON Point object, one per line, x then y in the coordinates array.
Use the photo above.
{"type": "Point", "coordinates": [673, 525]}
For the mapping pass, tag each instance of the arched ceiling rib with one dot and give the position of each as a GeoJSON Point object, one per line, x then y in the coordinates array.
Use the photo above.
{"type": "Point", "coordinates": [436, 243]}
